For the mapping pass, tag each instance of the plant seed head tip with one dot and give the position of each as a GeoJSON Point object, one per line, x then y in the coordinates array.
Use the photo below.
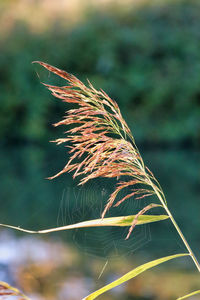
{"type": "Point", "coordinates": [36, 62]}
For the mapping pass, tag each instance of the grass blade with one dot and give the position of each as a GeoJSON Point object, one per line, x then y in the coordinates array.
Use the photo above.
{"type": "Point", "coordinates": [188, 295]}
{"type": "Point", "coordinates": [132, 274]}
{"type": "Point", "coordinates": [114, 221]}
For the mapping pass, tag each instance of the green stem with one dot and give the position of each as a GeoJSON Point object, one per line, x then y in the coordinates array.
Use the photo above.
{"type": "Point", "coordinates": [183, 238]}
{"type": "Point", "coordinates": [177, 228]}
{"type": "Point", "coordinates": [161, 197]}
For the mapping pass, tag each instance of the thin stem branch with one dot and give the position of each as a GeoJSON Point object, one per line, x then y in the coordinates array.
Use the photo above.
{"type": "Point", "coordinates": [183, 238]}
{"type": "Point", "coordinates": [177, 228]}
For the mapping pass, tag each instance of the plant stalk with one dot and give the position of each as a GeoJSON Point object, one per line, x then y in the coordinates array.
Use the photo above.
{"type": "Point", "coordinates": [177, 229]}
{"type": "Point", "coordinates": [183, 238]}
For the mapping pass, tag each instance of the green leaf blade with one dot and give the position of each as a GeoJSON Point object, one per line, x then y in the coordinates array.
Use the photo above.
{"type": "Point", "coordinates": [189, 295]}
{"type": "Point", "coordinates": [113, 221]}
{"type": "Point", "coordinates": [135, 272]}
{"type": "Point", "coordinates": [143, 219]}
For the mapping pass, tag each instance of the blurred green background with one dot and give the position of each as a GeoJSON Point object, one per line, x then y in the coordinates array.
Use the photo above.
{"type": "Point", "coordinates": [146, 56]}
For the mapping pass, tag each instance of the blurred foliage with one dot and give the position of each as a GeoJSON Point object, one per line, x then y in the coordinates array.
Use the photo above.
{"type": "Point", "coordinates": [147, 59]}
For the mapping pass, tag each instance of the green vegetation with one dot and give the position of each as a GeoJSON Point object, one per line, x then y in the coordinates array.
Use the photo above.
{"type": "Point", "coordinates": [147, 59]}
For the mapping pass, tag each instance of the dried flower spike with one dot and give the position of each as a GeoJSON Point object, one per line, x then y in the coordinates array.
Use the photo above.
{"type": "Point", "coordinates": [101, 143]}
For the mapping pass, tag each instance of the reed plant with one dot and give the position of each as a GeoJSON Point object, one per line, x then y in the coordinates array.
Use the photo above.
{"type": "Point", "coordinates": [101, 145]}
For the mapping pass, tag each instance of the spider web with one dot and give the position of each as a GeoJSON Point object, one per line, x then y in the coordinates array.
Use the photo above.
{"type": "Point", "coordinates": [87, 203]}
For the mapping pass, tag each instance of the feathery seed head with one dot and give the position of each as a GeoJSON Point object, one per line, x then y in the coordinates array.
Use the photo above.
{"type": "Point", "coordinates": [101, 142]}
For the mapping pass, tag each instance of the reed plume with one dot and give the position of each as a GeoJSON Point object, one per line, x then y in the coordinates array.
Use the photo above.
{"type": "Point", "coordinates": [101, 143]}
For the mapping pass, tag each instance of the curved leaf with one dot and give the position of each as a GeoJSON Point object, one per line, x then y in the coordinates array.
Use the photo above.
{"type": "Point", "coordinates": [132, 274]}
{"type": "Point", "coordinates": [114, 221]}
{"type": "Point", "coordinates": [188, 295]}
